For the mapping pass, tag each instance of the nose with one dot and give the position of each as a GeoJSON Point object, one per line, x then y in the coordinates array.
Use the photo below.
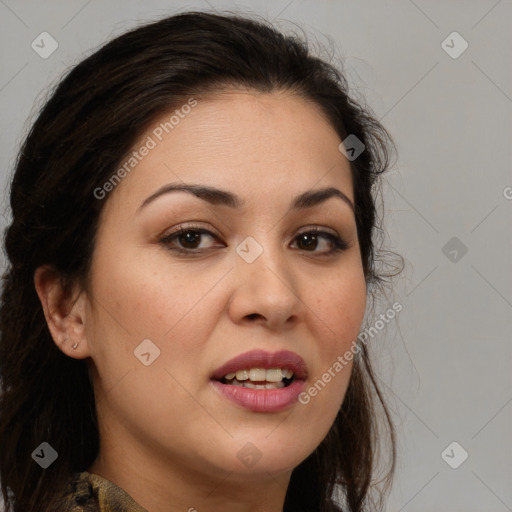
{"type": "Point", "coordinates": [265, 292]}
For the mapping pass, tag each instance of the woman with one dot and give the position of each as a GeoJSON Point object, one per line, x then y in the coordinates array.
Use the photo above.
{"type": "Point", "coordinates": [190, 254]}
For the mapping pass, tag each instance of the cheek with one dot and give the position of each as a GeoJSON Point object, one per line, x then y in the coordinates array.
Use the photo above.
{"type": "Point", "coordinates": [134, 303]}
{"type": "Point", "coordinates": [339, 315]}
{"type": "Point", "coordinates": [340, 308]}
{"type": "Point", "coordinates": [142, 298]}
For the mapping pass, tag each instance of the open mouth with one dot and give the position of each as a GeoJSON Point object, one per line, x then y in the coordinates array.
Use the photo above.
{"type": "Point", "coordinates": [259, 378]}
{"type": "Point", "coordinates": [261, 381]}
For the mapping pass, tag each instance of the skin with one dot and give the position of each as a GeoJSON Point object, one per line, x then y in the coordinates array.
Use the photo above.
{"type": "Point", "coordinates": [167, 437]}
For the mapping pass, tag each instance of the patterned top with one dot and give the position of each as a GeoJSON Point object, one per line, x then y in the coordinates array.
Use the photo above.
{"type": "Point", "coordinates": [92, 493]}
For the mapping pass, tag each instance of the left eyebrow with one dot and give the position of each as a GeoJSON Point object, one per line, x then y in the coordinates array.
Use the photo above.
{"type": "Point", "coordinates": [216, 196]}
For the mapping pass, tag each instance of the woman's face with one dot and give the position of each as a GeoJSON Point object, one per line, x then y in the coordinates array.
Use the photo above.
{"type": "Point", "coordinates": [167, 310]}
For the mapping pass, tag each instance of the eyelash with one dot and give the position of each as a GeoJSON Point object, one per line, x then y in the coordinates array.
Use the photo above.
{"type": "Point", "coordinates": [338, 243]}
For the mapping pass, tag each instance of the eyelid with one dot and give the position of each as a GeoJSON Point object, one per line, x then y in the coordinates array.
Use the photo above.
{"type": "Point", "coordinates": [338, 244]}
{"type": "Point", "coordinates": [190, 227]}
{"type": "Point", "coordinates": [314, 228]}
{"type": "Point", "coordinates": [209, 230]}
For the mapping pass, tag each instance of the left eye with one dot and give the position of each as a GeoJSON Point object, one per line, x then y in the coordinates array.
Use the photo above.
{"type": "Point", "coordinates": [310, 240]}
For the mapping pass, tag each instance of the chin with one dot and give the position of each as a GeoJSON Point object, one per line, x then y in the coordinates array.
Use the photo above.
{"type": "Point", "coordinates": [264, 456]}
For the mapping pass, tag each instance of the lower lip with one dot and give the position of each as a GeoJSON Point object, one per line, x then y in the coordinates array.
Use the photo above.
{"type": "Point", "coordinates": [262, 400]}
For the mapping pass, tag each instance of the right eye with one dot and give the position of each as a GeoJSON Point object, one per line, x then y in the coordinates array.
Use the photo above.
{"type": "Point", "coordinates": [187, 239]}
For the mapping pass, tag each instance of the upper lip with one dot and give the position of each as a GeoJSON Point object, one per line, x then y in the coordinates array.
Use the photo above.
{"type": "Point", "coordinates": [262, 359]}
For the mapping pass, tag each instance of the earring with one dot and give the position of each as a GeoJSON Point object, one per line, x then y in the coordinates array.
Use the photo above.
{"type": "Point", "coordinates": [74, 346]}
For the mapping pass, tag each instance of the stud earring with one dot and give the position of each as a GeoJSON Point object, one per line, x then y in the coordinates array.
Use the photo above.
{"type": "Point", "coordinates": [74, 346]}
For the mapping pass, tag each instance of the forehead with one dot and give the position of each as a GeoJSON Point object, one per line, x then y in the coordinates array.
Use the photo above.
{"type": "Point", "coordinates": [255, 144]}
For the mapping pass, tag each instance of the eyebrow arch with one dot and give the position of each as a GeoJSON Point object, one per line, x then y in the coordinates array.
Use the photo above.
{"type": "Point", "coordinates": [217, 196]}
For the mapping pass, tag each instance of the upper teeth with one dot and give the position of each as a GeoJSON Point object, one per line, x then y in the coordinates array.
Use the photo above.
{"type": "Point", "coordinates": [261, 374]}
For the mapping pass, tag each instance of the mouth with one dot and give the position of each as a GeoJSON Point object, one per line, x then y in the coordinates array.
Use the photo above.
{"type": "Point", "coordinates": [262, 381]}
{"type": "Point", "coordinates": [260, 378]}
{"type": "Point", "coordinates": [259, 368]}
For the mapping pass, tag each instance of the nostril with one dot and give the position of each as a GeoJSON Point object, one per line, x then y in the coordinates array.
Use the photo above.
{"type": "Point", "coordinates": [254, 316]}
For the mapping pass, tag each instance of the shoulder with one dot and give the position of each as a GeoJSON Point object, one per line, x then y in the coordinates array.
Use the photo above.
{"type": "Point", "coordinates": [79, 495]}
{"type": "Point", "coordinates": [87, 492]}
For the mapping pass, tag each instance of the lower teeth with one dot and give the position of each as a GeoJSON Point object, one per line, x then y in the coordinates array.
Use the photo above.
{"type": "Point", "coordinates": [249, 384]}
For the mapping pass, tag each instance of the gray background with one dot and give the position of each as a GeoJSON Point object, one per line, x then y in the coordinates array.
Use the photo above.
{"type": "Point", "coordinates": [445, 362]}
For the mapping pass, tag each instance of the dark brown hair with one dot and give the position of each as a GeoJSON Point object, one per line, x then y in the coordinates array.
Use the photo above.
{"type": "Point", "coordinates": [81, 135]}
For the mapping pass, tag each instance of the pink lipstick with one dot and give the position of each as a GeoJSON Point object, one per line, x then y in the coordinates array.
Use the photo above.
{"type": "Point", "coordinates": [262, 381]}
